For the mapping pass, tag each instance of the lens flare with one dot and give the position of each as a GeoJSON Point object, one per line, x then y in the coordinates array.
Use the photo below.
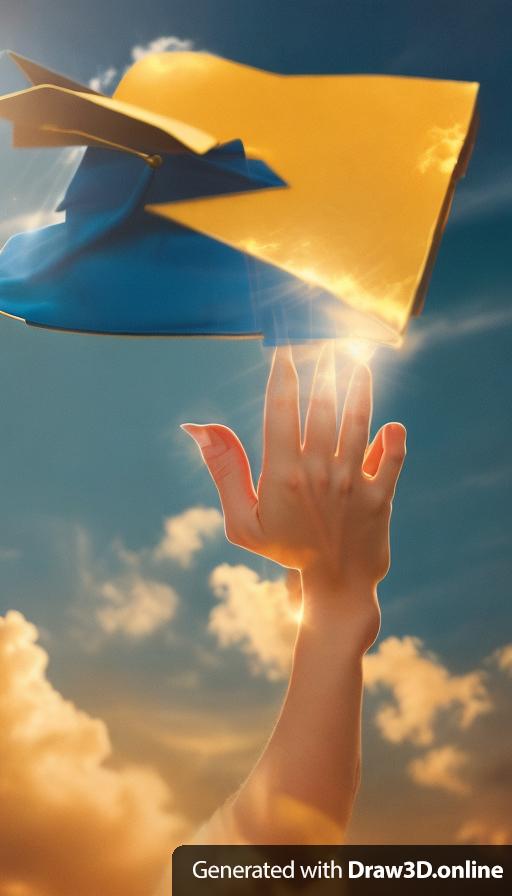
{"type": "Point", "coordinates": [358, 349]}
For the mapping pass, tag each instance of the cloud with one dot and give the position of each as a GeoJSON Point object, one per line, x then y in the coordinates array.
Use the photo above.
{"type": "Point", "coordinates": [422, 689]}
{"type": "Point", "coordinates": [117, 595]}
{"type": "Point", "coordinates": [484, 199]}
{"type": "Point", "coordinates": [211, 744]}
{"type": "Point", "coordinates": [135, 606]}
{"type": "Point", "coordinates": [443, 151]}
{"type": "Point", "coordinates": [483, 833]}
{"type": "Point", "coordinates": [103, 79]}
{"type": "Point", "coordinates": [503, 657]}
{"type": "Point", "coordinates": [162, 44]}
{"type": "Point", "coordinates": [253, 614]}
{"type": "Point", "coordinates": [431, 714]}
{"type": "Point", "coordinates": [122, 593]}
{"type": "Point", "coordinates": [185, 534]}
{"type": "Point", "coordinates": [70, 821]}
{"type": "Point", "coordinates": [440, 768]}
{"type": "Point", "coordinates": [475, 321]}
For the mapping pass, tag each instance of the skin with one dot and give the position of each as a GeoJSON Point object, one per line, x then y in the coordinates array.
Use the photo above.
{"type": "Point", "coordinates": [322, 506]}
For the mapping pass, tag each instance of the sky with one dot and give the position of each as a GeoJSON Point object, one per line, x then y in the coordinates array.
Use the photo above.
{"type": "Point", "coordinates": [144, 657]}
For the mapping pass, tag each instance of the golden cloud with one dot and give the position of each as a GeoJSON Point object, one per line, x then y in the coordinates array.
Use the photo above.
{"type": "Point", "coordinates": [422, 689]}
{"type": "Point", "coordinates": [71, 822]}
{"type": "Point", "coordinates": [441, 768]}
{"type": "Point", "coordinates": [503, 657]}
{"type": "Point", "coordinates": [134, 606]}
{"type": "Point", "coordinates": [481, 832]}
{"type": "Point", "coordinates": [185, 534]}
{"type": "Point", "coordinates": [255, 615]}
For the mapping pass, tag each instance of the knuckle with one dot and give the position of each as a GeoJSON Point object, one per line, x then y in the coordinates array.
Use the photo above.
{"type": "Point", "coordinates": [380, 500]}
{"type": "Point", "coordinates": [322, 479]}
{"type": "Point", "coordinates": [287, 478]}
{"type": "Point", "coordinates": [320, 476]}
{"type": "Point", "coordinates": [220, 467]}
{"type": "Point", "coordinates": [293, 479]}
{"type": "Point", "coordinates": [345, 483]}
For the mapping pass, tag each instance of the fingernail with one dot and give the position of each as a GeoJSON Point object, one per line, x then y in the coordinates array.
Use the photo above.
{"type": "Point", "coordinates": [399, 432]}
{"type": "Point", "coordinates": [199, 434]}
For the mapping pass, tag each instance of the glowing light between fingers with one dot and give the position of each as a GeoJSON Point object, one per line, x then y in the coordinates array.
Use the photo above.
{"type": "Point", "coordinates": [359, 349]}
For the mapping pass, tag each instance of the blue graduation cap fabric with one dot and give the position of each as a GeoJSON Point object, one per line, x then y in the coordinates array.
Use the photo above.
{"type": "Point", "coordinates": [113, 268]}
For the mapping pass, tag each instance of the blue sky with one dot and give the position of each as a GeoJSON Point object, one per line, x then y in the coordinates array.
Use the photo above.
{"type": "Point", "coordinates": [92, 454]}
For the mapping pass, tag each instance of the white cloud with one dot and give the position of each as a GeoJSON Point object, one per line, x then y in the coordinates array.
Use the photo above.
{"type": "Point", "coordinates": [486, 199]}
{"type": "Point", "coordinates": [70, 821]}
{"type": "Point", "coordinates": [103, 79]}
{"type": "Point", "coordinates": [422, 689]}
{"type": "Point", "coordinates": [253, 614]}
{"type": "Point", "coordinates": [444, 149]}
{"type": "Point", "coordinates": [135, 606]}
{"type": "Point", "coordinates": [440, 768]}
{"type": "Point", "coordinates": [428, 331]}
{"type": "Point", "coordinates": [163, 44]}
{"type": "Point", "coordinates": [124, 593]}
{"type": "Point", "coordinates": [185, 534]}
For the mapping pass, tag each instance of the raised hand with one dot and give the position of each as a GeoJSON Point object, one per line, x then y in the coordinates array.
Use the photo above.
{"type": "Point", "coordinates": [323, 502]}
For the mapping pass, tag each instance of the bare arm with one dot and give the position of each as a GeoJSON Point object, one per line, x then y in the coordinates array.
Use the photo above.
{"type": "Point", "coordinates": [322, 506]}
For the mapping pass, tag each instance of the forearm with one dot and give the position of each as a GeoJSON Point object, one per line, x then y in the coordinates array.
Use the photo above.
{"type": "Point", "coordinates": [303, 787]}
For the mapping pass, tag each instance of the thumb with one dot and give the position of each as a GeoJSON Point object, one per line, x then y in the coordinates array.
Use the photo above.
{"type": "Point", "coordinates": [228, 465]}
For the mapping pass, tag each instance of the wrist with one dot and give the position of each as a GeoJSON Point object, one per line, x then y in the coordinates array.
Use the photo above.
{"type": "Point", "coordinates": [345, 611]}
{"type": "Point", "coordinates": [332, 591]}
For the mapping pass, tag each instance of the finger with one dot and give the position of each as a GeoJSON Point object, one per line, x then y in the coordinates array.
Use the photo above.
{"type": "Point", "coordinates": [228, 465]}
{"type": "Point", "coordinates": [394, 445]}
{"type": "Point", "coordinates": [281, 440]}
{"type": "Point", "coordinates": [373, 455]}
{"type": "Point", "coordinates": [320, 430]}
{"type": "Point", "coordinates": [355, 423]}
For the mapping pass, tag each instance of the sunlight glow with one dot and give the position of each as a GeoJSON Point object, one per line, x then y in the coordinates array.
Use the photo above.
{"type": "Point", "coordinates": [297, 615]}
{"type": "Point", "coordinates": [359, 349]}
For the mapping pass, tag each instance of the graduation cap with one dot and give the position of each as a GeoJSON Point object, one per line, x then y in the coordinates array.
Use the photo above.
{"type": "Point", "coordinates": [216, 199]}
